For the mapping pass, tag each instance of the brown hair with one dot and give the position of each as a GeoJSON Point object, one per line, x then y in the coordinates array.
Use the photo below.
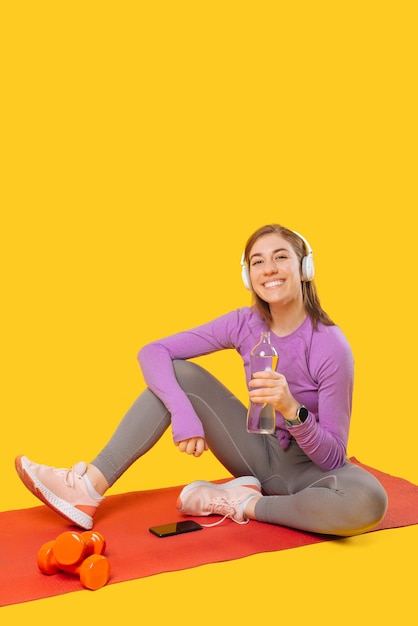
{"type": "Point", "coordinates": [309, 293]}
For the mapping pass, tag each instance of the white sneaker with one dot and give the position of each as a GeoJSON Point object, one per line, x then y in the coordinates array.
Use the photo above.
{"type": "Point", "coordinates": [226, 499]}
{"type": "Point", "coordinates": [64, 490]}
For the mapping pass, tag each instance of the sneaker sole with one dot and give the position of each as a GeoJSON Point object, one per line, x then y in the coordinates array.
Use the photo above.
{"type": "Point", "coordinates": [242, 481]}
{"type": "Point", "coordinates": [49, 498]}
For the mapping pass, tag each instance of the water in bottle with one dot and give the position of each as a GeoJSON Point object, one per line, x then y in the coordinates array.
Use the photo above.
{"type": "Point", "coordinates": [261, 418]}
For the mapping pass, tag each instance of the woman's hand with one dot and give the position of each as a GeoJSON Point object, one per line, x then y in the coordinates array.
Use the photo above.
{"type": "Point", "coordinates": [195, 446]}
{"type": "Point", "coordinates": [272, 387]}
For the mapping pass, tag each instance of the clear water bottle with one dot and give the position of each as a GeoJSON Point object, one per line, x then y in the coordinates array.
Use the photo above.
{"type": "Point", "coordinates": [261, 418]}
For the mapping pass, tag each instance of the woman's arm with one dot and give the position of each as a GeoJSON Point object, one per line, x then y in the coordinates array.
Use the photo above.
{"type": "Point", "coordinates": [156, 361]}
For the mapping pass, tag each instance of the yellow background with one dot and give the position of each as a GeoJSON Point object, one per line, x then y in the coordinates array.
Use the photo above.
{"type": "Point", "coordinates": [142, 142]}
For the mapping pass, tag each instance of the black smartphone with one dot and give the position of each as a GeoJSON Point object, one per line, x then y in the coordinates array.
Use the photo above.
{"type": "Point", "coordinates": [175, 528]}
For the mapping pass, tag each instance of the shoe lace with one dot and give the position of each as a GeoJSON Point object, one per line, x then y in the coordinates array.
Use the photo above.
{"type": "Point", "coordinates": [70, 475]}
{"type": "Point", "coordinates": [226, 508]}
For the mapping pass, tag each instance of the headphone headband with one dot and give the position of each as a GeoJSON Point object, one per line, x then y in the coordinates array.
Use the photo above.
{"type": "Point", "coordinates": [308, 269]}
{"type": "Point", "coordinates": [305, 241]}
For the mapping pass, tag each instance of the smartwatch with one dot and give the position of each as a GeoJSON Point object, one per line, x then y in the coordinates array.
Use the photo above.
{"type": "Point", "coordinates": [301, 416]}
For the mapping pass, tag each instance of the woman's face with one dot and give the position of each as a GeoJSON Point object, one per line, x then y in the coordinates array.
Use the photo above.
{"type": "Point", "coordinates": [275, 270]}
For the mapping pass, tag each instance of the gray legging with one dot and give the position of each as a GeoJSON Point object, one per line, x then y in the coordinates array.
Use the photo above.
{"type": "Point", "coordinates": [345, 501]}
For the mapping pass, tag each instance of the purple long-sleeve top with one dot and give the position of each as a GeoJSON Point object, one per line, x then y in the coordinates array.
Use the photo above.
{"type": "Point", "coordinates": [317, 364]}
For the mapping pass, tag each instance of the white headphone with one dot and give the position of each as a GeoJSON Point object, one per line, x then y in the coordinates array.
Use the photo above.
{"type": "Point", "coordinates": [308, 269]}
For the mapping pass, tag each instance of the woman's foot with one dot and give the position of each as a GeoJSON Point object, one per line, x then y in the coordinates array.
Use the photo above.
{"type": "Point", "coordinates": [228, 499]}
{"type": "Point", "coordinates": [67, 491]}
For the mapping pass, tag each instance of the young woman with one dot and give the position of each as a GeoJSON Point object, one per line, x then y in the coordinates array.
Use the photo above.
{"type": "Point", "coordinates": [298, 476]}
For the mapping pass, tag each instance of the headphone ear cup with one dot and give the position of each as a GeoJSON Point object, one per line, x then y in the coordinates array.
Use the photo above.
{"type": "Point", "coordinates": [308, 269]}
{"type": "Point", "coordinates": [245, 275]}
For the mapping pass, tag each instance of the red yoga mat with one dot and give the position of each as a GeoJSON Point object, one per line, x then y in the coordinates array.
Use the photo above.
{"type": "Point", "coordinates": [134, 552]}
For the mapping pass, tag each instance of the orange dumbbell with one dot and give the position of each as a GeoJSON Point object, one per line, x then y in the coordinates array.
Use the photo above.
{"type": "Point", "coordinates": [77, 553]}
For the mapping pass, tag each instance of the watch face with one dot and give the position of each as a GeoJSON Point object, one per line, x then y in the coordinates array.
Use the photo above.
{"type": "Point", "coordinates": [303, 413]}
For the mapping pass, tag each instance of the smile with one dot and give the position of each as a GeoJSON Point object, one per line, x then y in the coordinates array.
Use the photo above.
{"type": "Point", "coordinates": [273, 283]}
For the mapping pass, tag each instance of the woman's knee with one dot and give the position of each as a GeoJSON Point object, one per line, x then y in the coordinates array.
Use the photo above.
{"type": "Point", "coordinates": [378, 501]}
{"type": "Point", "coordinates": [196, 379]}
{"type": "Point", "coordinates": [188, 374]}
{"type": "Point", "coordinates": [369, 506]}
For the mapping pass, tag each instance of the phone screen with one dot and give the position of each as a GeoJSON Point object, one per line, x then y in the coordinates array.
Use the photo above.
{"type": "Point", "coordinates": [175, 528]}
